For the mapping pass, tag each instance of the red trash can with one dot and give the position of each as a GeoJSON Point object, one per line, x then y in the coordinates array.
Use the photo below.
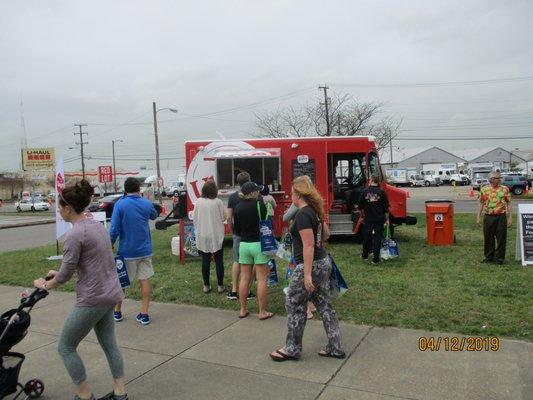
{"type": "Point", "coordinates": [439, 222]}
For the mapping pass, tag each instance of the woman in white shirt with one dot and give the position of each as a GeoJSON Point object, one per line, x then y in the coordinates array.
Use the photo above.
{"type": "Point", "coordinates": [209, 217]}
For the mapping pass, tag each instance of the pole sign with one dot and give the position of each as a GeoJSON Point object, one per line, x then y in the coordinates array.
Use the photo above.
{"type": "Point", "coordinates": [525, 233]}
{"type": "Point", "coordinates": [105, 174]}
{"type": "Point", "coordinates": [38, 159]}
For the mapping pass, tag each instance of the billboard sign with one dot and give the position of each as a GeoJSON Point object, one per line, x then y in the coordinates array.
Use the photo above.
{"type": "Point", "coordinates": [38, 159]}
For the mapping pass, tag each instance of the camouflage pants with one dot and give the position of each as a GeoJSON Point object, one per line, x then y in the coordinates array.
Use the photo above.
{"type": "Point", "coordinates": [296, 306]}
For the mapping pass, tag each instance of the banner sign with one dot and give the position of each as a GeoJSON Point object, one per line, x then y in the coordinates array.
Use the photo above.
{"type": "Point", "coordinates": [525, 233]}
{"type": "Point", "coordinates": [62, 226]}
{"type": "Point", "coordinates": [38, 159]}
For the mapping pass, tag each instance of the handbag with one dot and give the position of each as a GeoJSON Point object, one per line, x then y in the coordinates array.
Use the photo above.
{"type": "Point", "coordinates": [273, 276]}
{"type": "Point", "coordinates": [122, 272]}
{"type": "Point", "coordinates": [269, 246]}
{"type": "Point", "coordinates": [338, 285]}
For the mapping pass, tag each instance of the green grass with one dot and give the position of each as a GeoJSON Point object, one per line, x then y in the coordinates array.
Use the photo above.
{"type": "Point", "coordinates": [433, 288]}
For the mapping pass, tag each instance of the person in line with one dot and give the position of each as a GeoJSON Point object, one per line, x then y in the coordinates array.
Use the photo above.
{"type": "Point", "coordinates": [289, 217]}
{"type": "Point", "coordinates": [311, 277]}
{"type": "Point", "coordinates": [374, 206]}
{"type": "Point", "coordinates": [129, 224]}
{"type": "Point", "coordinates": [209, 216]}
{"type": "Point", "coordinates": [246, 220]}
{"type": "Point", "coordinates": [495, 203]}
{"type": "Point", "coordinates": [87, 253]}
{"type": "Point", "coordinates": [233, 200]}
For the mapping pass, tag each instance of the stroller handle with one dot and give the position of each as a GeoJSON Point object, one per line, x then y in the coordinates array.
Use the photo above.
{"type": "Point", "coordinates": [32, 299]}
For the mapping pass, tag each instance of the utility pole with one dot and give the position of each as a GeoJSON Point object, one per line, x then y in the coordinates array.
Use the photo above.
{"type": "Point", "coordinates": [157, 153]}
{"type": "Point", "coordinates": [81, 143]}
{"type": "Point", "coordinates": [114, 168]}
{"type": "Point", "coordinates": [326, 104]}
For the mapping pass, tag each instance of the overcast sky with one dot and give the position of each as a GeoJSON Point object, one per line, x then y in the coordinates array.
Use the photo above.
{"type": "Point", "coordinates": [102, 63]}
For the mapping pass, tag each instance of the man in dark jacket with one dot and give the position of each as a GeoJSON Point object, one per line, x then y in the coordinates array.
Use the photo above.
{"type": "Point", "coordinates": [374, 206]}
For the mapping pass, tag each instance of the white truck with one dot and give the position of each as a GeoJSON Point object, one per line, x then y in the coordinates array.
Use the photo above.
{"type": "Point", "coordinates": [400, 176]}
{"type": "Point", "coordinates": [430, 177]}
{"type": "Point", "coordinates": [451, 176]}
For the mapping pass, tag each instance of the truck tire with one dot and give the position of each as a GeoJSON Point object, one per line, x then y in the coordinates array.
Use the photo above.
{"type": "Point", "coordinates": [427, 183]}
{"type": "Point", "coordinates": [518, 190]}
{"type": "Point", "coordinates": [452, 182]}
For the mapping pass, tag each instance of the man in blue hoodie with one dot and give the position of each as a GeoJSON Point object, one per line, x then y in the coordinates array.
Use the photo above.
{"type": "Point", "coordinates": [129, 223]}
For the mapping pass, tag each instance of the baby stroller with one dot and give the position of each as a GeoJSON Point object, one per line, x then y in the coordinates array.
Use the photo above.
{"type": "Point", "coordinates": [14, 326]}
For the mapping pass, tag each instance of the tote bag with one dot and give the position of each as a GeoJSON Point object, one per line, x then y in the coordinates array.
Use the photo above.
{"type": "Point", "coordinates": [338, 285]}
{"type": "Point", "coordinates": [269, 246]}
{"type": "Point", "coordinates": [122, 272]}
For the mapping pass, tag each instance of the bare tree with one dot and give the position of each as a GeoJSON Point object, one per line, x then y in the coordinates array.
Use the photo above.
{"type": "Point", "coordinates": [347, 116]}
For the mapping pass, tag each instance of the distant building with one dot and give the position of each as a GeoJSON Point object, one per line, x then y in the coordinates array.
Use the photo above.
{"type": "Point", "coordinates": [419, 159]}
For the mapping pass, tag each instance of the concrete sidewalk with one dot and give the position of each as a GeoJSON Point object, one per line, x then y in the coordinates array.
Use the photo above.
{"type": "Point", "coordinates": [189, 352]}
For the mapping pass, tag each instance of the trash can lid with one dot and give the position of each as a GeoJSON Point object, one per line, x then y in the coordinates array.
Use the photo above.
{"type": "Point", "coordinates": [439, 201]}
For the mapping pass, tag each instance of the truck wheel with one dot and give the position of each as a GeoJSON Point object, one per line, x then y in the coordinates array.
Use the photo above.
{"type": "Point", "coordinates": [427, 183]}
{"type": "Point", "coordinates": [518, 190]}
{"type": "Point", "coordinates": [19, 209]}
{"type": "Point", "coordinates": [452, 182]}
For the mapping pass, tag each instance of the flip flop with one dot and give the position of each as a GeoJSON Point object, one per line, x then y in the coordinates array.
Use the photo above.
{"type": "Point", "coordinates": [324, 353]}
{"type": "Point", "coordinates": [245, 315]}
{"type": "Point", "coordinates": [268, 315]}
{"type": "Point", "coordinates": [280, 356]}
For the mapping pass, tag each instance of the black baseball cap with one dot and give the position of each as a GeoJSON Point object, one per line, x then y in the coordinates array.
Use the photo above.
{"type": "Point", "coordinates": [250, 187]}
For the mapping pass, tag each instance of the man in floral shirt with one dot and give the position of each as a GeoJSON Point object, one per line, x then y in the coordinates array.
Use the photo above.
{"type": "Point", "coordinates": [495, 202]}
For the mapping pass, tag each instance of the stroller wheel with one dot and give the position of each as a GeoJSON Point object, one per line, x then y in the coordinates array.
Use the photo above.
{"type": "Point", "coordinates": [34, 388]}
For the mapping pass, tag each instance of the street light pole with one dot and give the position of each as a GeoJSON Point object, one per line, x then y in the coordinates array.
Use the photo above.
{"type": "Point", "coordinates": [157, 153]}
{"type": "Point", "coordinates": [114, 168]}
{"type": "Point", "coordinates": [155, 111]}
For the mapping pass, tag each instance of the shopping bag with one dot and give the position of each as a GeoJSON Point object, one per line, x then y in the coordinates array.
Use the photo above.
{"type": "Point", "coordinates": [269, 246]}
{"type": "Point", "coordinates": [285, 247]}
{"type": "Point", "coordinates": [273, 276]}
{"type": "Point", "coordinates": [288, 274]}
{"type": "Point", "coordinates": [122, 272]}
{"type": "Point", "coordinates": [189, 245]}
{"type": "Point", "coordinates": [338, 285]}
{"type": "Point", "coordinates": [389, 246]}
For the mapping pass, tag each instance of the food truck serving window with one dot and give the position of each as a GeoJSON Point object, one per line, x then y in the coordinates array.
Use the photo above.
{"type": "Point", "coordinates": [263, 165]}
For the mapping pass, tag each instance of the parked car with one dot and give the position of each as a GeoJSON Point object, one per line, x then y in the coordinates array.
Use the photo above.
{"type": "Point", "coordinates": [516, 183]}
{"type": "Point", "coordinates": [478, 183]}
{"type": "Point", "coordinates": [32, 205]}
{"type": "Point", "coordinates": [174, 189]}
{"type": "Point", "coordinates": [106, 204]}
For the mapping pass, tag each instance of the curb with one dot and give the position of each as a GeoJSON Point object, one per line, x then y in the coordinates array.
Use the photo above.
{"type": "Point", "coordinates": [23, 224]}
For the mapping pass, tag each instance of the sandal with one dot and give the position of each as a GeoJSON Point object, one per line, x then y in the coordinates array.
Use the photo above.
{"type": "Point", "coordinates": [267, 316]}
{"type": "Point", "coordinates": [245, 314]}
{"type": "Point", "coordinates": [280, 356]}
{"type": "Point", "coordinates": [324, 353]}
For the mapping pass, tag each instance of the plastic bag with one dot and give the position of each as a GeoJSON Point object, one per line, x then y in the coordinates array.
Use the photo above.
{"type": "Point", "coordinates": [389, 246]}
{"type": "Point", "coordinates": [285, 247]}
{"type": "Point", "coordinates": [338, 285]}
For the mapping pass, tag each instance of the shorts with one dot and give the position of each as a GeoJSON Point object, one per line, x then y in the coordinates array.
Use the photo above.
{"type": "Point", "coordinates": [235, 249]}
{"type": "Point", "coordinates": [250, 253]}
{"type": "Point", "coordinates": [140, 268]}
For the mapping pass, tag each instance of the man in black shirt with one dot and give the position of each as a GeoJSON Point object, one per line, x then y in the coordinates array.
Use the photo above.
{"type": "Point", "coordinates": [375, 212]}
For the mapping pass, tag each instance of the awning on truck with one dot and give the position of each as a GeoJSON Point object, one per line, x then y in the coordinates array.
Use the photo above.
{"type": "Point", "coordinates": [249, 153]}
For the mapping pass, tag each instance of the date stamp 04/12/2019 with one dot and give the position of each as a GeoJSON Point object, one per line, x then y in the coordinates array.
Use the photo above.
{"type": "Point", "coordinates": [455, 343]}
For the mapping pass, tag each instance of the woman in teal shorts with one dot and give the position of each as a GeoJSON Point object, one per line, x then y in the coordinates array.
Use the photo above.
{"type": "Point", "coordinates": [246, 225]}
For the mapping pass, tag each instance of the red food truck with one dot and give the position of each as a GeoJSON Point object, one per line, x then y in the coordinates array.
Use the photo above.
{"type": "Point", "coordinates": [339, 166]}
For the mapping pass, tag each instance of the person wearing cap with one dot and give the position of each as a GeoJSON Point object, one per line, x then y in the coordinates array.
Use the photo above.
{"type": "Point", "coordinates": [495, 204]}
{"type": "Point", "coordinates": [246, 225]}
{"type": "Point", "coordinates": [234, 199]}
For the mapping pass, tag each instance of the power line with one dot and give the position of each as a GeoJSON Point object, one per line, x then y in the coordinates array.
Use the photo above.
{"type": "Point", "coordinates": [437, 84]}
